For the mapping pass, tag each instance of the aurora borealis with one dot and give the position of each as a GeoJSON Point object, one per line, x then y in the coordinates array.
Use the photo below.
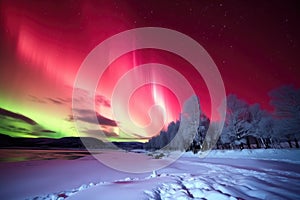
{"type": "Point", "coordinates": [43, 43]}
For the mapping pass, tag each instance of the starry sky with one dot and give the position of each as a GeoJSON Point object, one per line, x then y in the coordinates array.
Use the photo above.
{"type": "Point", "coordinates": [255, 45]}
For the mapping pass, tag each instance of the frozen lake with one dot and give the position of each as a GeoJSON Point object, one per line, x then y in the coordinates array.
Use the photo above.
{"type": "Point", "coordinates": [17, 155]}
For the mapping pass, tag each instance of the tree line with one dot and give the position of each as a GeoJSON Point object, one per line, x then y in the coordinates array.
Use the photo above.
{"type": "Point", "coordinates": [246, 126]}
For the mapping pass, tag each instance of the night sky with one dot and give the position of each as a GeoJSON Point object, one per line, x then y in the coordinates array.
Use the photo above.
{"type": "Point", "coordinates": [255, 45]}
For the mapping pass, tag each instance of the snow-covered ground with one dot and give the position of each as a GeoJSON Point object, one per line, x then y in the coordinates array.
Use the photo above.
{"type": "Point", "coordinates": [247, 174]}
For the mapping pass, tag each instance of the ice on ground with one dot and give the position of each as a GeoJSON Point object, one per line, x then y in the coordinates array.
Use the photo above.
{"type": "Point", "coordinates": [222, 175]}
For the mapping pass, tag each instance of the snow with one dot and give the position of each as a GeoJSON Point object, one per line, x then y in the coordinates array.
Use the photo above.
{"type": "Point", "coordinates": [247, 174]}
{"type": "Point", "coordinates": [286, 155]}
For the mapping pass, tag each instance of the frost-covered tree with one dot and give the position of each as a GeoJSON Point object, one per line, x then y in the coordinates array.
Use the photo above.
{"type": "Point", "coordinates": [286, 101]}
{"type": "Point", "coordinates": [199, 138]}
{"type": "Point", "coordinates": [261, 126]}
{"type": "Point", "coordinates": [245, 123]}
{"type": "Point", "coordinates": [189, 122]}
{"type": "Point", "coordinates": [264, 131]}
{"type": "Point", "coordinates": [237, 124]}
{"type": "Point", "coordinates": [212, 136]}
{"type": "Point", "coordinates": [179, 135]}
